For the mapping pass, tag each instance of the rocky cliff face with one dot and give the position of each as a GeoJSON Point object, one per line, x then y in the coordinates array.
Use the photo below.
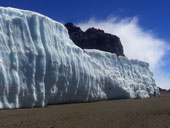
{"type": "Point", "coordinates": [95, 39]}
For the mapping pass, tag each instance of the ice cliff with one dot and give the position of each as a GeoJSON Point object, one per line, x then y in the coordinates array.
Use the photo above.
{"type": "Point", "coordinates": [40, 65]}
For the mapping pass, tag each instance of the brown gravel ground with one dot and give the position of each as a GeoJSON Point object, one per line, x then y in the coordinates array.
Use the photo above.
{"type": "Point", "coordinates": [132, 113]}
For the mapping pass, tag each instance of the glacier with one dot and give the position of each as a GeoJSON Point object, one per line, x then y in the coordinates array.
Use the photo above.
{"type": "Point", "coordinates": [40, 65]}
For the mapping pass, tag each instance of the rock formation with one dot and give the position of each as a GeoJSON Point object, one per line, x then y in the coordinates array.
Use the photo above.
{"type": "Point", "coordinates": [95, 39]}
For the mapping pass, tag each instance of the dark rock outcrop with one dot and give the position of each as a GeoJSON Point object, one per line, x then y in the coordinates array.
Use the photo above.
{"type": "Point", "coordinates": [163, 90]}
{"type": "Point", "coordinates": [94, 38]}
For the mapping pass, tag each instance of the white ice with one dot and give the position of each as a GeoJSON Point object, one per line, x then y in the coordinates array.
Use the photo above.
{"type": "Point", "coordinates": [40, 65]}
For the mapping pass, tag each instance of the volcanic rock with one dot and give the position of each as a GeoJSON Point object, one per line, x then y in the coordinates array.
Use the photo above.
{"type": "Point", "coordinates": [94, 38]}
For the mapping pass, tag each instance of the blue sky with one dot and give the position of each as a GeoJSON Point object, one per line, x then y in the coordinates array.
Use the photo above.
{"type": "Point", "coordinates": [153, 14]}
{"type": "Point", "coordinates": [142, 25]}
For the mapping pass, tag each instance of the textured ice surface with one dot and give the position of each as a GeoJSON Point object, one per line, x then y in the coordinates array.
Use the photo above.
{"type": "Point", "coordinates": [40, 65]}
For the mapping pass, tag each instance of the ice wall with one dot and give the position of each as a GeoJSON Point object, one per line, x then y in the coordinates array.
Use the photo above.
{"type": "Point", "coordinates": [40, 65]}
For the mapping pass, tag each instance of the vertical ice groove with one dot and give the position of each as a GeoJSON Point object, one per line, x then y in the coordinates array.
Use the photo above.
{"type": "Point", "coordinates": [40, 60]}
{"type": "Point", "coordinates": [40, 65]}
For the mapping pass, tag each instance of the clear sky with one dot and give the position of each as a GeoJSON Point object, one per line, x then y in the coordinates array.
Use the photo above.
{"type": "Point", "coordinates": [147, 23]}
